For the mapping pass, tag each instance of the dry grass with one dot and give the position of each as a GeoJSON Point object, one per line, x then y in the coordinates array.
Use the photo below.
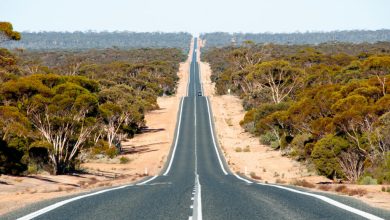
{"type": "Point", "coordinates": [82, 183]}
{"type": "Point", "coordinates": [19, 180]}
{"type": "Point", "coordinates": [325, 187]}
{"type": "Point", "coordinates": [92, 180]}
{"type": "Point", "coordinates": [60, 189]}
{"type": "Point", "coordinates": [31, 191]}
{"type": "Point", "coordinates": [238, 149]}
{"type": "Point", "coordinates": [351, 192]}
{"type": "Point", "coordinates": [303, 183]}
{"type": "Point", "coordinates": [280, 181]}
{"type": "Point", "coordinates": [247, 149]}
{"type": "Point", "coordinates": [229, 122]}
{"type": "Point", "coordinates": [386, 189]}
{"type": "Point", "coordinates": [357, 192]}
{"type": "Point", "coordinates": [341, 189]}
{"type": "Point", "coordinates": [254, 176]}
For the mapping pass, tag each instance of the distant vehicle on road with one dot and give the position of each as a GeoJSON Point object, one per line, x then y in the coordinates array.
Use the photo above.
{"type": "Point", "coordinates": [199, 93]}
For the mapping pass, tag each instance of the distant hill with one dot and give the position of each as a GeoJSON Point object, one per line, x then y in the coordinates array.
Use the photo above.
{"type": "Point", "coordinates": [99, 40]}
{"type": "Point", "coordinates": [220, 39]}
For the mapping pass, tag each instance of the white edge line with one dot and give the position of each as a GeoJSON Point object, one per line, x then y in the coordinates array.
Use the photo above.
{"type": "Point", "coordinates": [177, 138]}
{"type": "Point", "coordinates": [200, 78]}
{"type": "Point", "coordinates": [59, 204]}
{"type": "Point", "coordinates": [146, 181]}
{"type": "Point", "coordinates": [212, 135]}
{"type": "Point", "coordinates": [330, 201]}
{"type": "Point", "coordinates": [199, 208]}
{"type": "Point", "coordinates": [245, 180]}
{"type": "Point", "coordinates": [197, 204]}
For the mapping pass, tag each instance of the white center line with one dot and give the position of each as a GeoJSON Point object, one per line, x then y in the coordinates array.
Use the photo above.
{"type": "Point", "coordinates": [197, 204]}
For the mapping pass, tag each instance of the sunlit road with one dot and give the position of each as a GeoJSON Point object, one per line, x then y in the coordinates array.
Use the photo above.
{"type": "Point", "coordinates": [196, 184]}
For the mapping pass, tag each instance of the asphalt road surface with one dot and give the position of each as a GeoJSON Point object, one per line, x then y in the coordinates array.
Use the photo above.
{"type": "Point", "coordinates": [197, 184]}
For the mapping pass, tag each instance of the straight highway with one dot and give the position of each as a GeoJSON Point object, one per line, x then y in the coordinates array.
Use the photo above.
{"type": "Point", "coordinates": [196, 183]}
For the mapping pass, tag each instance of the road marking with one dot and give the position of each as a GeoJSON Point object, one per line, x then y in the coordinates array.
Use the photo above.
{"type": "Point", "coordinates": [330, 201]}
{"type": "Point", "coordinates": [160, 183]}
{"type": "Point", "coordinates": [146, 181]}
{"type": "Point", "coordinates": [194, 78]}
{"type": "Point", "coordinates": [200, 81]}
{"type": "Point", "coordinates": [196, 136]}
{"type": "Point", "coordinates": [59, 204]}
{"type": "Point", "coordinates": [197, 205]}
{"type": "Point", "coordinates": [199, 199]}
{"type": "Point", "coordinates": [245, 180]}
{"type": "Point", "coordinates": [212, 135]}
{"type": "Point", "coordinates": [177, 138]}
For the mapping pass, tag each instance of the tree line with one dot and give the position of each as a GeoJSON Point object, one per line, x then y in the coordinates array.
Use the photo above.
{"type": "Point", "coordinates": [326, 105]}
{"type": "Point", "coordinates": [221, 39]}
{"type": "Point", "coordinates": [58, 106]}
{"type": "Point", "coordinates": [49, 40]}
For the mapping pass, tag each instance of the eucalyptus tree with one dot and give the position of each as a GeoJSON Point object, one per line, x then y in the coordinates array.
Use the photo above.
{"type": "Point", "coordinates": [7, 33]}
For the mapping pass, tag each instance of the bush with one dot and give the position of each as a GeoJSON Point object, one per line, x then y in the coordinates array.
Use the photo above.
{"type": "Point", "coordinates": [238, 149]}
{"type": "Point", "coordinates": [341, 188]}
{"type": "Point", "coordinates": [386, 189]}
{"type": "Point", "coordinates": [359, 192]}
{"type": "Point", "coordinates": [325, 187]}
{"type": "Point", "coordinates": [351, 192]}
{"type": "Point", "coordinates": [298, 145]}
{"type": "Point", "coordinates": [382, 172]}
{"type": "Point", "coordinates": [254, 176]}
{"type": "Point", "coordinates": [368, 180]}
{"type": "Point", "coordinates": [324, 155]}
{"type": "Point", "coordinates": [102, 147]}
{"type": "Point", "coordinates": [11, 159]}
{"type": "Point", "coordinates": [32, 169]}
{"type": "Point", "coordinates": [268, 138]}
{"type": "Point", "coordinates": [111, 152]}
{"type": "Point", "coordinates": [124, 160]}
{"type": "Point", "coordinates": [303, 183]}
{"type": "Point", "coordinates": [39, 157]}
{"type": "Point", "coordinates": [280, 181]}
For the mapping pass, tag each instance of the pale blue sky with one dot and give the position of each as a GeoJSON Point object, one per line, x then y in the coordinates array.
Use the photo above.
{"type": "Point", "coordinates": [196, 16]}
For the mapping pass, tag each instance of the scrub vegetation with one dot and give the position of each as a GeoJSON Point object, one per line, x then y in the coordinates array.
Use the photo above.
{"type": "Point", "coordinates": [58, 106]}
{"type": "Point", "coordinates": [326, 105]}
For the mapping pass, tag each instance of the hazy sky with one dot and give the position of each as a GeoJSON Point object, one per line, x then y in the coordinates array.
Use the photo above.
{"type": "Point", "coordinates": [196, 16]}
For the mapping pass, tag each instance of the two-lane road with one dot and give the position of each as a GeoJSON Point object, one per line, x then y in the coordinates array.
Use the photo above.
{"type": "Point", "coordinates": [196, 183]}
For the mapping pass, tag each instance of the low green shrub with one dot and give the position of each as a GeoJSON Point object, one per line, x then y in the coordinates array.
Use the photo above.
{"type": "Point", "coordinates": [325, 154]}
{"type": "Point", "coordinates": [368, 180]}
{"type": "Point", "coordinates": [268, 138]}
{"type": "Point", "coordinates": [124, 160]}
